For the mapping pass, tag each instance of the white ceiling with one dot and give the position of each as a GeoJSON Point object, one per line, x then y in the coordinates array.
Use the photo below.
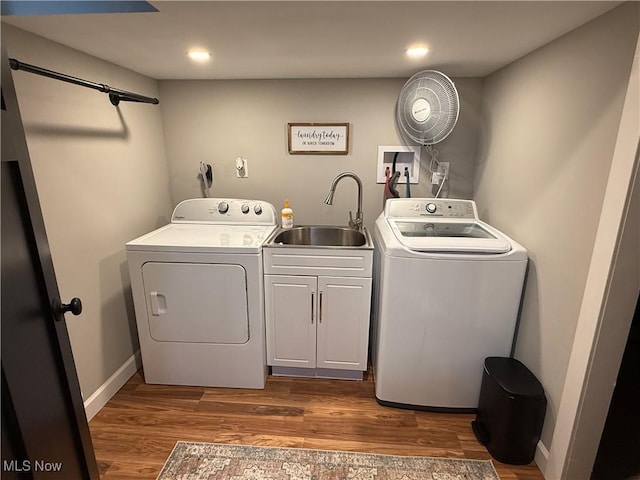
{"type": "Point", "coordinates": [316, 39]}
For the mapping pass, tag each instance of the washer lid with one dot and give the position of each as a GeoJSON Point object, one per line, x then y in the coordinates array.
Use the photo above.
{"type": "Point", "coordinates": [449, 236]}
{"type": "Point", "coordinates": [200, 238]}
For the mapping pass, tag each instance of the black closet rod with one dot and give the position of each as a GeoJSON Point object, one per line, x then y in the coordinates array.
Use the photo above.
{"type": "Point", "coordinates": [115, 95]}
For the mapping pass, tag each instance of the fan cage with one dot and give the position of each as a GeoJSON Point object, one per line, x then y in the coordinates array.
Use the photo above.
{"type": "Point", "coordinates": [440, 93]}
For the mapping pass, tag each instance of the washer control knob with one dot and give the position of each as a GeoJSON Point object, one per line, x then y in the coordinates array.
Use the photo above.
{"type": "Point", "coordinates": [431, 207]}
{"type": "Point", "coordinates": [244, 208]}
{"type": "Point", "coordinates": [223, 207]}
{"type": "Point", "coordinates": [258, 209]}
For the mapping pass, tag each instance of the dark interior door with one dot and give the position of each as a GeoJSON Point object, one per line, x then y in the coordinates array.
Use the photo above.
{"type": "Point", "coordinates": [618, 456]}
{"type": "Point", "coordinates": [44, 426]}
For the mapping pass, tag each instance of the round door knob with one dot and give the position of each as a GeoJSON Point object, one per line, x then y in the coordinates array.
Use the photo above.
{"type": "Point", "coordinates": [74, 306]}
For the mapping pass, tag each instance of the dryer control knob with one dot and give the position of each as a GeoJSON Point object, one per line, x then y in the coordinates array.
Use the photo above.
{"type": "Point", "coordinates": [244, 208]}
{"type": "Point", "coordinates": [223, 207]}
{"type": "Point", "coordinates": [431, 207]}
{"type": "Point", "coordinates": [258, 209]}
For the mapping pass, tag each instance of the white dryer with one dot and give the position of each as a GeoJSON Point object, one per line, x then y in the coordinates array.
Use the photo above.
{"type": "Point", "coordinates": [447, 291]}
{"type": "Point", "coordinates": [198, 294]}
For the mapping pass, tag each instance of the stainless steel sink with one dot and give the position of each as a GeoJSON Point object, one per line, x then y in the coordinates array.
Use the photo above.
{"type": "Point", "coordinates": [322, 236]}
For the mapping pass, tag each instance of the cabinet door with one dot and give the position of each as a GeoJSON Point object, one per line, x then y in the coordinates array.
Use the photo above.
{"type": "Point", "coordinates": [290, 313]}
{"type": "Point", "coordinates": [343, 322]}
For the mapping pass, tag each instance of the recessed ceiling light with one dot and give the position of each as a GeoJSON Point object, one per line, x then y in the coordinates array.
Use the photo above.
{"type": "Point", "coordinates": [417, 51]}
{"type": "Point", "coordinates": [199, 55]}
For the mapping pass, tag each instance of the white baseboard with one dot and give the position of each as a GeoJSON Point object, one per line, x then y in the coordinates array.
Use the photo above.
{"type": "Point", "coordinates": [542, 457]}
{"type": "Point", "coordinates": [108, 389]}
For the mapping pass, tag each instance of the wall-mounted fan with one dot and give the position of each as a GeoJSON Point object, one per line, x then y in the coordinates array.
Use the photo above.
{"type": "Point", "coordinates": [428, 107]}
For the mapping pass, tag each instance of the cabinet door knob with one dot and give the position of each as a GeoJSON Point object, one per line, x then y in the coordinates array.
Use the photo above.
{"type": "Point", "coordinates": [320, 316]}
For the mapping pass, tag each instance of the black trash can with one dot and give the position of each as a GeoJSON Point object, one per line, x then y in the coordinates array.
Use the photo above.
{"type": "Point", "coordinates": [511, 411]}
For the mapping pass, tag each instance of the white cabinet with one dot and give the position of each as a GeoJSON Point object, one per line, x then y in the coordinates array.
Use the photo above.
{"type": "Point", "coordinates": [342, 332]}
{"type": "Point", "coordinates": [317, 325]}
{"type": "Point", "coordinates": [290, 314]}
{"type": "Point", "coordinates": [317, 307]}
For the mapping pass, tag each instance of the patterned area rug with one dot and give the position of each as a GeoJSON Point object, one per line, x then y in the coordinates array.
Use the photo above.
{"type": "Point", "coordinates": [212, 461]}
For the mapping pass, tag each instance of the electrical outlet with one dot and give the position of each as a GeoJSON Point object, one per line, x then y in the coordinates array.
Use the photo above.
{"type": "Point", "coordinates": [242, 167]}
{"type": "Point", "coordinates": [443, 169]}
{"type": "Point", "coordinates": [441, 174]}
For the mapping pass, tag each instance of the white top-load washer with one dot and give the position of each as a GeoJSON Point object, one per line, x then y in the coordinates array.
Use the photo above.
{"type": "Point", "coordinates": [198, 294]}
{"type": "Point", "coordinates": [447, 291]}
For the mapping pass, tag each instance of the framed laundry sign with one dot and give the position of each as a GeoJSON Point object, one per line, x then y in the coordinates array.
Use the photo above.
{"type": "Point", "coordinates": [318, 138]}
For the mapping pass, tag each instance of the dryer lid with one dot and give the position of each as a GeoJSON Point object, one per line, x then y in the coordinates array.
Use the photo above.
{"type": "Point", "coordinates": [198, 238]}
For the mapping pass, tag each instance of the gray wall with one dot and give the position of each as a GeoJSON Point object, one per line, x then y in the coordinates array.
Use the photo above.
{"type": "Point", "coordinates": [102, 180]}
{"type": "Point", "coordinates": [216, 121]}
{"type": "Point", "coordinates": [549, 126]}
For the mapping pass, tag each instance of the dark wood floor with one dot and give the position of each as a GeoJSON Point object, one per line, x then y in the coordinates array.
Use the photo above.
{"type": "Point", "coordinates": [135, 432]}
